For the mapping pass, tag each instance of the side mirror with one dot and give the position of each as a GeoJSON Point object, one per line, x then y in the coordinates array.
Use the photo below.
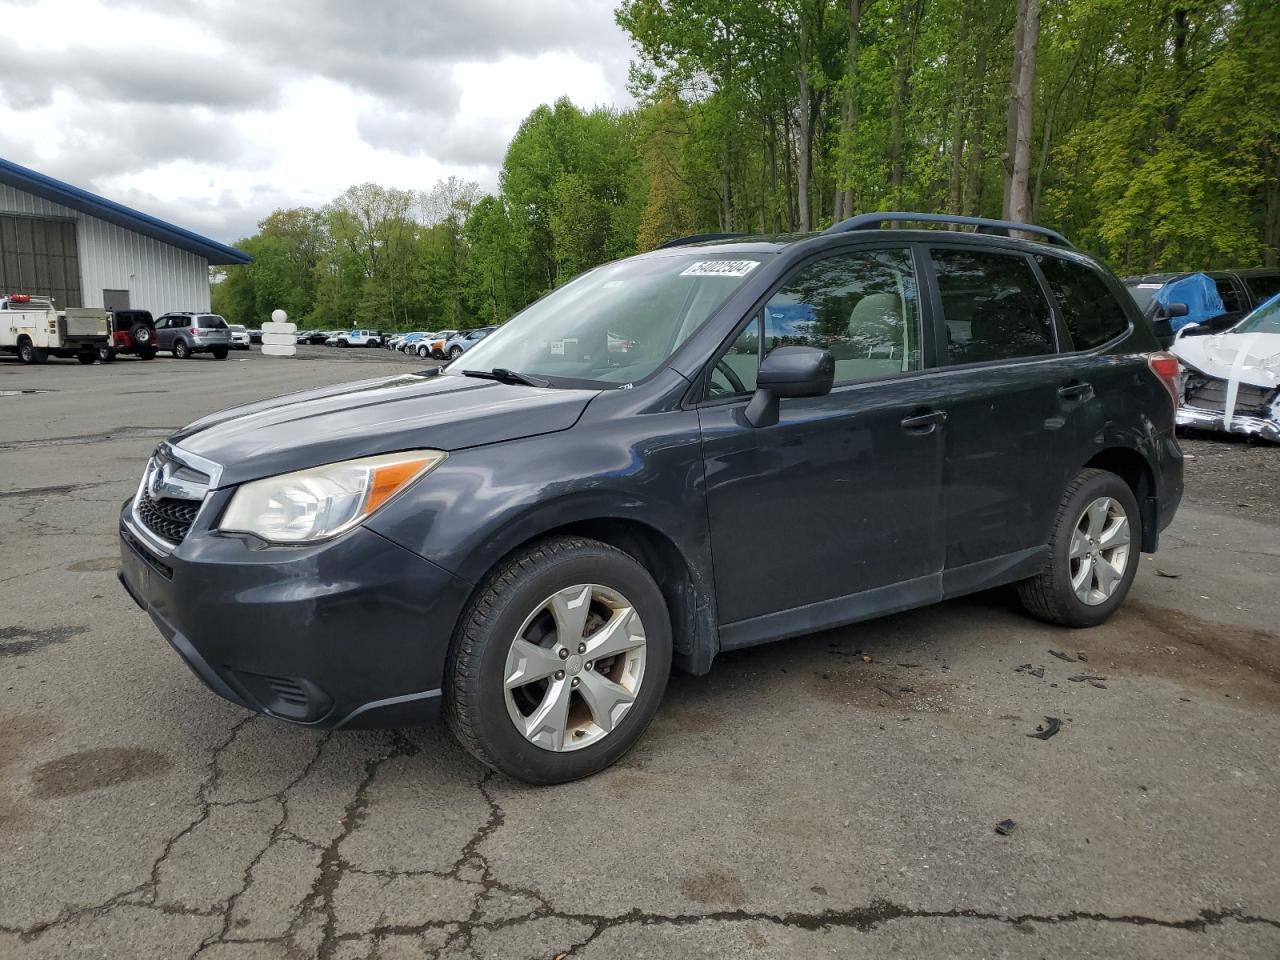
{"type": "Point", "coordinates": [789, 372]}
{"type": "Point", "coordinates": [1174, 310]}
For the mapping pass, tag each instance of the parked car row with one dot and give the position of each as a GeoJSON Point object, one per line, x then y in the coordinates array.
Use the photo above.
{"type": "Point", "coordinates": [35, 329]}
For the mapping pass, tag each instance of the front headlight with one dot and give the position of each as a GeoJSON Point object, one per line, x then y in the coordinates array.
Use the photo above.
{"type": "Point", "coordinates": [324, 501]}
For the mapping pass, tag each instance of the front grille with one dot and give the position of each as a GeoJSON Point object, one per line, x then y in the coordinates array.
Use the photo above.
{"type": "Point", "coordinates": [1211, 394]}
{"type": "Point", "coordinates": [170, 520]}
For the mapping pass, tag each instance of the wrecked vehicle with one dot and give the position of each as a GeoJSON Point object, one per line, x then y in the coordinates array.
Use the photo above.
{"type": "Point", "coordinates": [1231, 380]}
{"type": "Point", "coordinates": [1215, 299]}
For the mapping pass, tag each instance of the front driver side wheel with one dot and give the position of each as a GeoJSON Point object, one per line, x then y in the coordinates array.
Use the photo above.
{"type": "Point", "coordinates": [1093, 553]}
{"type": "Point", "coordinates": [559, 662]}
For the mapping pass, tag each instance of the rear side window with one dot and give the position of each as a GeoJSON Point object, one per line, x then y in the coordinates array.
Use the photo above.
{"type": "Point", "coordinates": [1232, 301]}
{"type": "Point", "coordinates": [992, 306]}
{"type": "Point", "coordinates": [1263, 286]}
{"type": "Point", "coordinates": [1091, 312]}
{"type": "Point", "coordinates": [211, 322]}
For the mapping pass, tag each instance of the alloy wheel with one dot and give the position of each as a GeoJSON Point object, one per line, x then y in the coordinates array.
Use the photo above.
{"type": "Point", "coordinates": [575, 667]}
{"type": "Point", "coordinates": [1099, 553]}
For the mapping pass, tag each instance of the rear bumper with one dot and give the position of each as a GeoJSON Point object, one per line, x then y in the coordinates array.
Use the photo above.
{"type": "Point", "coordinates": [1261, 427]}
{"type": "Point", "coordinates": [353, 632]}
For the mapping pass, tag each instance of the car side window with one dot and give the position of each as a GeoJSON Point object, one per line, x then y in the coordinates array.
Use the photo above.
{"type": "Point", "coordinates": [861, 306]}
{"type": "Point", "coordinates": [1231, 299]}
{"type": "Point", "coordinates": [1092, 314]}
{"type": "Point", "coordinates": [1263, 286]}
{"type": "Point", "coordinates": [992, 305]}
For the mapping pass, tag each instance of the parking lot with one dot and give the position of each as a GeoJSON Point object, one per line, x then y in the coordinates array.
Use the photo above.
{"type": "Point", "coordinates": [834, 795]}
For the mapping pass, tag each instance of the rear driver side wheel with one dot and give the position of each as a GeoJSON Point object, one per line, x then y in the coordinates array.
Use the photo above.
{"type": "Point", "coordinates": [1094, 553]}
{"type": "Point", "coordinates": [180, 349]}
{"type": "Point", "coordinates": [559, 662]}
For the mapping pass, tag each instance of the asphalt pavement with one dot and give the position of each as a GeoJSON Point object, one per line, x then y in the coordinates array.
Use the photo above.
{"type": "Point", "coordinates": [835, 795]}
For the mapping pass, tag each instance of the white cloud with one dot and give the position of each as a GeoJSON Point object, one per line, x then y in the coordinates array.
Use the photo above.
{"type": "Point", "coordinates": [212, 114]}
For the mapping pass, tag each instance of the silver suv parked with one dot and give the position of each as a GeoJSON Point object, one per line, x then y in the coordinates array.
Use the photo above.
{"type": "Point", "coordinates": [186, 333]}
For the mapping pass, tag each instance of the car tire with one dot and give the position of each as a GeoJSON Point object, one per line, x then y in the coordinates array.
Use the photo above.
{"type": "Point", "coordinates": [180, 350]}
{"type": "Point", "coordinates": [86, 358]}
{"type": "Point", "coordinates": [455, 353]}
{"type": "Point", "coordinates": [220, 353]}
{"type": "Point", "coordinates": [106, 354]}
{"type": "Point", "coordinates": [30, 354]}
{"type": "Point", "coordinates": [515, 604]}
{"type": "Point", "coordinates": [142, 335]}
{"type": "Point", "coordinates": [148, 354]}
{"type": "Point", "coordinates": [1093, 553]}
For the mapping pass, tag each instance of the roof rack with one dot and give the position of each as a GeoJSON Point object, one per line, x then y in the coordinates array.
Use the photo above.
{"type": "Point", "coordinates": [697, 238]}
{"type": "Point", "coordinates": [872, 221]}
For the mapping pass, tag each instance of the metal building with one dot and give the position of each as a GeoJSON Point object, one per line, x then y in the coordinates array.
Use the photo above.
{"type": "Point", "coordinates": [84, 250]}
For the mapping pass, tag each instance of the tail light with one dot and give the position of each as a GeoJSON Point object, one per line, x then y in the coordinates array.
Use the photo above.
{"type": "Point", "coordinates": [195, 331]}
{"type": "Point", "coordinates": [1166, 367]}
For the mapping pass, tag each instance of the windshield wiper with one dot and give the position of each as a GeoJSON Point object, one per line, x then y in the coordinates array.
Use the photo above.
{"type": "Point", "coordinates": [503, 375]}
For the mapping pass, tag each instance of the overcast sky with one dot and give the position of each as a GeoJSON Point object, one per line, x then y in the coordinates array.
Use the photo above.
{"type": "Point", "coordinates": [212, 113]}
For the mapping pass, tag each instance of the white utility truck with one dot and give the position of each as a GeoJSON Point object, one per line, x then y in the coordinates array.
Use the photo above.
{"type": "Point", "coordinates": [34, 329]}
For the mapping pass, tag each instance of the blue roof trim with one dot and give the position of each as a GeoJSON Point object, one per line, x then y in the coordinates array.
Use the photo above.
{"type": "Point", "coordinates": [56, 191]}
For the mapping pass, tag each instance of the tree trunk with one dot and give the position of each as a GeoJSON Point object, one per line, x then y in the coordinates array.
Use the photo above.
{"type": "Point", "coordinates": [1023, 92]}
{"type": "Point", "coordinates": [773, 175]}
{"type": "Point", "coordinates": [977, 135]}
{"type": "Point", "coordinates": [956, 177]}
{"type": "Point", "coordinates": [850, 108]}
{"type": "Point", "coordinates": [1271, 220]}
{"type": "Point", "coordinates": [804, 120]}
{"type": "Point", "coordinates": [1047, 141]}
{"type": "Point", "coordinates": [1011, 111]}
{"type": "Point", "coordinates": [909, 28]}
{"type": "Point", "coordinates": [787, 167]}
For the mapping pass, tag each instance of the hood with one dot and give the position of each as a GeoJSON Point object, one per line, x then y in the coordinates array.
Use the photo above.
{"type": "Point", "coordinates": [375, 416]}
{"type": "Point", "coordinates": [1252, 358]}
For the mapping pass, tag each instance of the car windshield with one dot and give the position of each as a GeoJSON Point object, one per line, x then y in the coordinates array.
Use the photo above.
{"type": "Point", "coordinates": [615, 324]}
{"type": "Point", "coordinates": [1266, 319]}
{"type": "Point", "coordinates": [211, 322]}
{"type": "Point", "coordinates": [237, 328]}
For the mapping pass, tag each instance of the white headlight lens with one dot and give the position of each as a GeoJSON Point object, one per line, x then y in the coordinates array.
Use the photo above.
{"type": "Point", "coordinates": [324, 501]}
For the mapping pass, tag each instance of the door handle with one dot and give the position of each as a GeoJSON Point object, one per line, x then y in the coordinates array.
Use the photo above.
{"type": "Point", "coordinates": [1076, 391]}
{"type": "Point", "coordinates": [924, 422]}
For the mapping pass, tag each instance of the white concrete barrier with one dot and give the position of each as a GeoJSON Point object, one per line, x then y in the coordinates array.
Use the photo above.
{"type": "Point", "coordinates": [280, 339]}
{"type": "Point", "coordinates": [278, 350]}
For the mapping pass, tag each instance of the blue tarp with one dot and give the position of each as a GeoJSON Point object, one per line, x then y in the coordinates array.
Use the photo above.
{"type": "Point", "coordinates": [1198, 292]}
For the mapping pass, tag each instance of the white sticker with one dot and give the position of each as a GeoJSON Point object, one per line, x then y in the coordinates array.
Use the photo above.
{"type": "Point", "coordinates": [720, 268]}
{"type": "Point", "coordinates": [1150, 286]}
{"type": "Point", "coordinates": [557, 348]}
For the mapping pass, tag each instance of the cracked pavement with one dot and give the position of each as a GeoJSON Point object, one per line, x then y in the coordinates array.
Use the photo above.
{"type": "Point", "coordinates": [799, 801]}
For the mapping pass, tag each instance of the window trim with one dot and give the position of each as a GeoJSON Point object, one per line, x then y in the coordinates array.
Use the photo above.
{"type": "Point", "coordinates": [756, 313]}
{"type": "Point", "coordinates": [940, 317]}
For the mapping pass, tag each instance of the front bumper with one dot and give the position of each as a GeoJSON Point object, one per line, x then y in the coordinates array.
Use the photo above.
{"type": "Point", "coordinates": [1200, 419]}
{"type": "Point", "coordinates": [353, 632]}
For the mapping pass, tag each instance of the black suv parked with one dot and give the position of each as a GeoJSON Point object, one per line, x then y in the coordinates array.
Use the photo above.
{"type": "Point", "coordinates": [701, 448]}
{"type": "Point", "coordinates": [131, 331]}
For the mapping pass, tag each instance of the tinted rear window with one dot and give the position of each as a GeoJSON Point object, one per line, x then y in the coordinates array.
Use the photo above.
{"type": "Point", "coordinates": [992, 305]}
{"type": "Point", "coordinates": [1264, 286]}
{"type": "Point", "coordinates": [211, 322]}
{"type": "Point", "coordinates": [1092, 313]}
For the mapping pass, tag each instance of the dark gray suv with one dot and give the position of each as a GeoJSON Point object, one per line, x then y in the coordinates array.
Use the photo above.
{"type": "Point", "coordinates": [712, 445]}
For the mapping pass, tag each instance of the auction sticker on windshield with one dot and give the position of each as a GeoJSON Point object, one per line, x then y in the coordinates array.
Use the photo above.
{"type": "Point", "coordinates": [720, 268]}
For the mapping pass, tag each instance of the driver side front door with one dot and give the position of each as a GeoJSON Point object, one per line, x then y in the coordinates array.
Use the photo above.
{"type": "Point", "coordinates": [832, 514]}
